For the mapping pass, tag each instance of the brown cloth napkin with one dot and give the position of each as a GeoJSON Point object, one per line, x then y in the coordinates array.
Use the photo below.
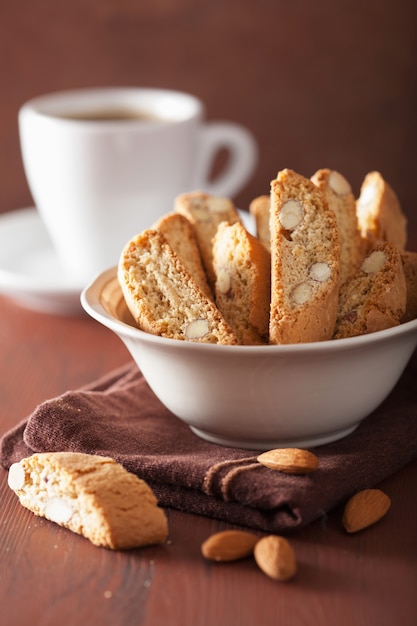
{"type": "Point", "coordinates": [119, 416]}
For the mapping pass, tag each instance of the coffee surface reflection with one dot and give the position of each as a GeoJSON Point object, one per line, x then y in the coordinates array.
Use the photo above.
{"type": "Point", "coordinates": [112, 115]}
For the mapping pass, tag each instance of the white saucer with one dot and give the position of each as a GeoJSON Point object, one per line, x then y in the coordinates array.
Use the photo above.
{"type": "Point", "coordinates": [30, 272]}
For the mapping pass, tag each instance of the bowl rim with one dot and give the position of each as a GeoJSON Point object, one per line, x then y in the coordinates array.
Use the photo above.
{"type": "Point", "coordinates": [90, 301]}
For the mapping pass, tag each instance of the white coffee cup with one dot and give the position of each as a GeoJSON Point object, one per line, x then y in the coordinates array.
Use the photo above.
{"type": "Point", "coordinates": [103, 164]}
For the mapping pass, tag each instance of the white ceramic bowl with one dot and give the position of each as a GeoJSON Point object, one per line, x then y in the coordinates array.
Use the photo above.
{"type": "Point", "coordinates": [260, 397]}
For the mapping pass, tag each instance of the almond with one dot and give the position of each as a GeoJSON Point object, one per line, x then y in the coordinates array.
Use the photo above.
{"type": "Point", "coordinates": [197, 329]}
{"type": "Point", "coordinates": [291, 214]}
{"type": "Point", "coordinates": [364, 509]}
{"type": "Point", "coordinates": [58, 511]}
{"type": "Point", "coordinates": [229, 545]}
{"type": "Point", "coordinates": [290, 460]}
{"type": "Point", "coordinates": [302, 293]}
{"type": "Point", "coordinates": [275, 557]}
{"type": "Point", "coordinates": [339, 184]}
{"type": "Point", "coordinates": [320, 272]}
{"type": "Point", "coordinates": [374, 262]}
{"type": "Point", "coordinates": [16, 477]}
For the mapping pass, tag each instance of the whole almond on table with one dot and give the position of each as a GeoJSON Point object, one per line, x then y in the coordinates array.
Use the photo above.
{"type": "Point", "coordinates": [290, 460]}
{"type": "Point", "coordinates": [275, 556]}
{"type": "Point", "coordinates": [364, 509]}
{"type": "Point", "coordinates": [229, 545]}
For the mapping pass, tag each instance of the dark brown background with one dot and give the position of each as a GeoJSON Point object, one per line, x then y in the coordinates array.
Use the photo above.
{"type": "Point", "coordinates": [320, 84]}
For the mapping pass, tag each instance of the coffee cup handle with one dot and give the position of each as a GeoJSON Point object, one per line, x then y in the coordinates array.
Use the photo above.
{"type": "Point", "coordinates": [242, 158]}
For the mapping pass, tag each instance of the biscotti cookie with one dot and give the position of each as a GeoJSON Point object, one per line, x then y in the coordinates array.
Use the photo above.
{"type": "Point", "coordinates": [243, 282]}
{"type": "Point", "coordinates": [374, 299]}
{"type": "Point", "coordinates": [206, 212]}
{"type": "Point", "coordinates": [259, 208]}
{"type": "Point", "coordinates": [180, 235]}
{"type": "Point", "coordinates": [305, 258]}
{"type": "Point", "coordinates": [91, 495]}
{"type": "Point", "coordinates": [409, 261]}
{"type": "Point", "coordinates": [163, 297]}
{"type": "Point", "coordinates": [379, 212]}
{"type": "Point", "coordinates": [341, 200]}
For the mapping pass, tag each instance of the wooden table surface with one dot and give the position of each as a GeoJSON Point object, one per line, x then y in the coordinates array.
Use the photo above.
{"type": "Point", "coordinates": [320, 85]}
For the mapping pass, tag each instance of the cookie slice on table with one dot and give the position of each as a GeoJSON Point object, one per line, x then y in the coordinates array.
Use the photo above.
{"type": "Point", "coordinates": [305, 259]}
{"type": "Point", "coordinates": [259, 208]}
{"type": "Point", "coordinates": [340, 198]}
{"type": "Point", "coordinates": [374, 299]}
{"type": "Point", "coordinates": [206, 212]}
{"type": "Point", "coordinates": [243, 282]}
{"type": "Point", "coordinates": [92, 496]}
{"type": "Point", "coordinates": [180, 235]}
{"type": "Point", "coordinates": [409, 261]}
{"type": "Point", "coordinates": [163, 297]}
{"type": "Point", "coordinates": [379, 212]}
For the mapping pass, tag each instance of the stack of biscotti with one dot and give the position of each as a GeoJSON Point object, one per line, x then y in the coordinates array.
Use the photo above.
{"type": "Point", "coordinates": [236, 263]}
{"type": "Point", "coordinates": [297, 313]}
{"type": "Point", "coordinates": [174, 279]}
{"type": "Point", "coordinates": [316, 269]}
